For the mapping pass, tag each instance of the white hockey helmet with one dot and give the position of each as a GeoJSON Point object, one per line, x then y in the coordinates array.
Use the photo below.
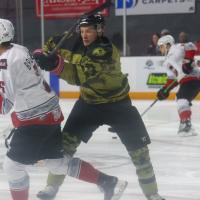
{"type": "Point", "coordinates": [6, 31]}
{"type": "Point", "coordinates": [166, 39]}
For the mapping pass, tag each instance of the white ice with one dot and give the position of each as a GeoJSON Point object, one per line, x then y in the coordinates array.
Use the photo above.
{"type": "Point", "coordinates": [176, 160]}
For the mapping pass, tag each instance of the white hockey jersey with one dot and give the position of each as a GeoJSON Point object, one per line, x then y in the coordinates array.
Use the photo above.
{"type": "Point", "coordinates": [174, 60]}
{"type": "Point", "coordinates": [24, 89]}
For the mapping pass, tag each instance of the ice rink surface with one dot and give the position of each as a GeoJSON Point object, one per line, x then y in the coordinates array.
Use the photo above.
{"type": "Point", "coordinates": [176, 160]}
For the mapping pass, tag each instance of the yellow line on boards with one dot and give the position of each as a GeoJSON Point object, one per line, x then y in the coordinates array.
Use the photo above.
{"type": "Point", "coordinates": [133, 95]}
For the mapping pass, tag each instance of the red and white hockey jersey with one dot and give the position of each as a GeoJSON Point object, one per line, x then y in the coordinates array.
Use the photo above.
{"type": "Point", "coordinates": [175, 58]}
{"type": "Point", "coordinates": [23, 88]}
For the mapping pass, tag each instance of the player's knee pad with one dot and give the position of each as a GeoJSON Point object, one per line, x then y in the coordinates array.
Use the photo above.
{"type": "Point", "coordinates": [74, 167]}
{"type": "Point", "coordinates": [14, 170]}
{"type": "Point", "coordinates": [142, 162]}
{"type": "Point", "coordinates": [16, 173]}
{"type": "Point", "coordinates": [183, 104]}
{"type": "Point", "coordinates": [184, 109]}
{"type": "Point", "coordinates": [140, 155]}
{"type": "Point", "coordinates": [70, 143]}
{"type": "Point", "coordinates": [58, 166]}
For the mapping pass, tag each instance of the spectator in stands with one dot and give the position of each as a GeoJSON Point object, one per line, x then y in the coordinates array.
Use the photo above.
{"type": "Point", "coordinates": [198, 47]}
{"type": "Point", "coordinates": [117, 40]}
{"type": "Point", "coordinates": [182, 37]}
{"type": "Point", "coordinates": [197, 43]}
{"type": "Point", "coordinates": [153, 49]}
{"type": "Point", "coordinates": [164, 32]}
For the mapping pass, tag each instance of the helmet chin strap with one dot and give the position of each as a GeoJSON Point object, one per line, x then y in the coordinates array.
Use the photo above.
{"type": "Point", "coordinates": [99, 33]}
{"type": "Point", "coordinates": [167, 47]}
{"type": "Point", "coordinates": [166, 52]}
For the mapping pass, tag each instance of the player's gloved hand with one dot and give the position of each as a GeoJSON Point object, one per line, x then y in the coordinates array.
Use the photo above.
{"type": "Point", "coordinates": [187, 66]}
{"type": "Point", "coordinates": [45, 61]}
{"type": "Point", "coordinates": [163, 93]}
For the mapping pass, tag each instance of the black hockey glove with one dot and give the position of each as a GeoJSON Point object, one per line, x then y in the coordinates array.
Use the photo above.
{"type": "Point", "coordinates": [45, 61]}
{"type": "Point", "coordinates": [187, 67]}
{"type": "Point", "coordinates": [163, 93]}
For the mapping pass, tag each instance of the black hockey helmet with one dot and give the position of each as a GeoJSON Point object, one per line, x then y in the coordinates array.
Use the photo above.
{"type": "Point", "coordinates": [92, 20]}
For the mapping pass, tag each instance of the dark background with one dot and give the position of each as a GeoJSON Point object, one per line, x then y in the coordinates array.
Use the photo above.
{"type": "Point", "coordinates": [139, 28]}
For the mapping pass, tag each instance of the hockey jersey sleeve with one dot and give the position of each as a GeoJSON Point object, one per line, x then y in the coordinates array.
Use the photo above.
{"type": "Point", "coordinates": [173, 62]}
{"type": "Point", "coordinates": [66, 48]}
{"type": "Point", "coordinates": [5, 105]}
{"type": "Point", "coordinates": [91, 64]}
{"type": "Point", "coordinates": [65, 51]}
{"type": "Point", "coordinates": [6, 94]}
{"type": "Point", "coordinates": [188, 65]}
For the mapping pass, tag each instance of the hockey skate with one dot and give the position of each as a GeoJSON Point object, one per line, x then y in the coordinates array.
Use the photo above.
{"type": "Point", "coordinates": [113, 188]}
{"type": "Point", "coordinates": [48, 193]}
{"type": "Point", "coordinates": [155, 197]}
{"type": "Point", "coordinates": [186, 129]}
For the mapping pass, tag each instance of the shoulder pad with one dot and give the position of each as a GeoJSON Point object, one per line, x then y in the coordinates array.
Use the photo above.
{"type": "Point", "coordinates": [101, 50]}
{"type": "Point", "coordinates": [190, 46]}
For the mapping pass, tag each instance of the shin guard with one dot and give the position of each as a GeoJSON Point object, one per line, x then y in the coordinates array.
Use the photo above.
{"type": "Point", "coordinates": [144, 171]}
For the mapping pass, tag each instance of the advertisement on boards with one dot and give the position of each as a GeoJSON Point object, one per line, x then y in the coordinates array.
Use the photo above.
{"type": "Point", "coordinates": [146, 7]}
{"type": "Point", "coordinates": [54, 9]}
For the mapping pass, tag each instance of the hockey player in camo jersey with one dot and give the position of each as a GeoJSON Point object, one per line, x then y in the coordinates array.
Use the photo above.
{"type": "Point", "coordinates": [183, 71]}
{"type": "Point", "coordinates": [37, 117]}
{"type": "Point", "coordinates": [93, 63]}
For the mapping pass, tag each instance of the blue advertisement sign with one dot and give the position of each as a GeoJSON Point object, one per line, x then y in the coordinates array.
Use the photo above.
{"type": "Point", "coordinates": [144, 7]}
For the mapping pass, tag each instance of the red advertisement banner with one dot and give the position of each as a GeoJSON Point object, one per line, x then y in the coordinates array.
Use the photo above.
{"type": "Point", "coordinates": [54, 9]}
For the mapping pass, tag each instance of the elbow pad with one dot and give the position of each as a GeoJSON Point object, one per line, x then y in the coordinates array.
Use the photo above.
{"type": "Point", "coordinates": [187, 66]}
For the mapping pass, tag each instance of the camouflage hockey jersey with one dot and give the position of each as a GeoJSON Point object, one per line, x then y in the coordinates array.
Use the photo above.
{"type": "Point", "coordinates": [96, 69]}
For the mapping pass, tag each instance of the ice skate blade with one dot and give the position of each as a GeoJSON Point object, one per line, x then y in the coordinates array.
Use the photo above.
{"type": "Point", "coordinates": [119, 189]}
{"type": "Point", "coordinates": [187, 134]}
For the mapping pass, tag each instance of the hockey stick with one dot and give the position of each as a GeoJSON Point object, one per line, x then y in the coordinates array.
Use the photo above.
{"type": "Point", "coordinates": [112, 130]}
{"type": "Point", "coordinates": [166, 89]}
{"type": "Point", "coordinates": [149, 107]}
{"type": "Point", "coordinates": [73, 28]}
